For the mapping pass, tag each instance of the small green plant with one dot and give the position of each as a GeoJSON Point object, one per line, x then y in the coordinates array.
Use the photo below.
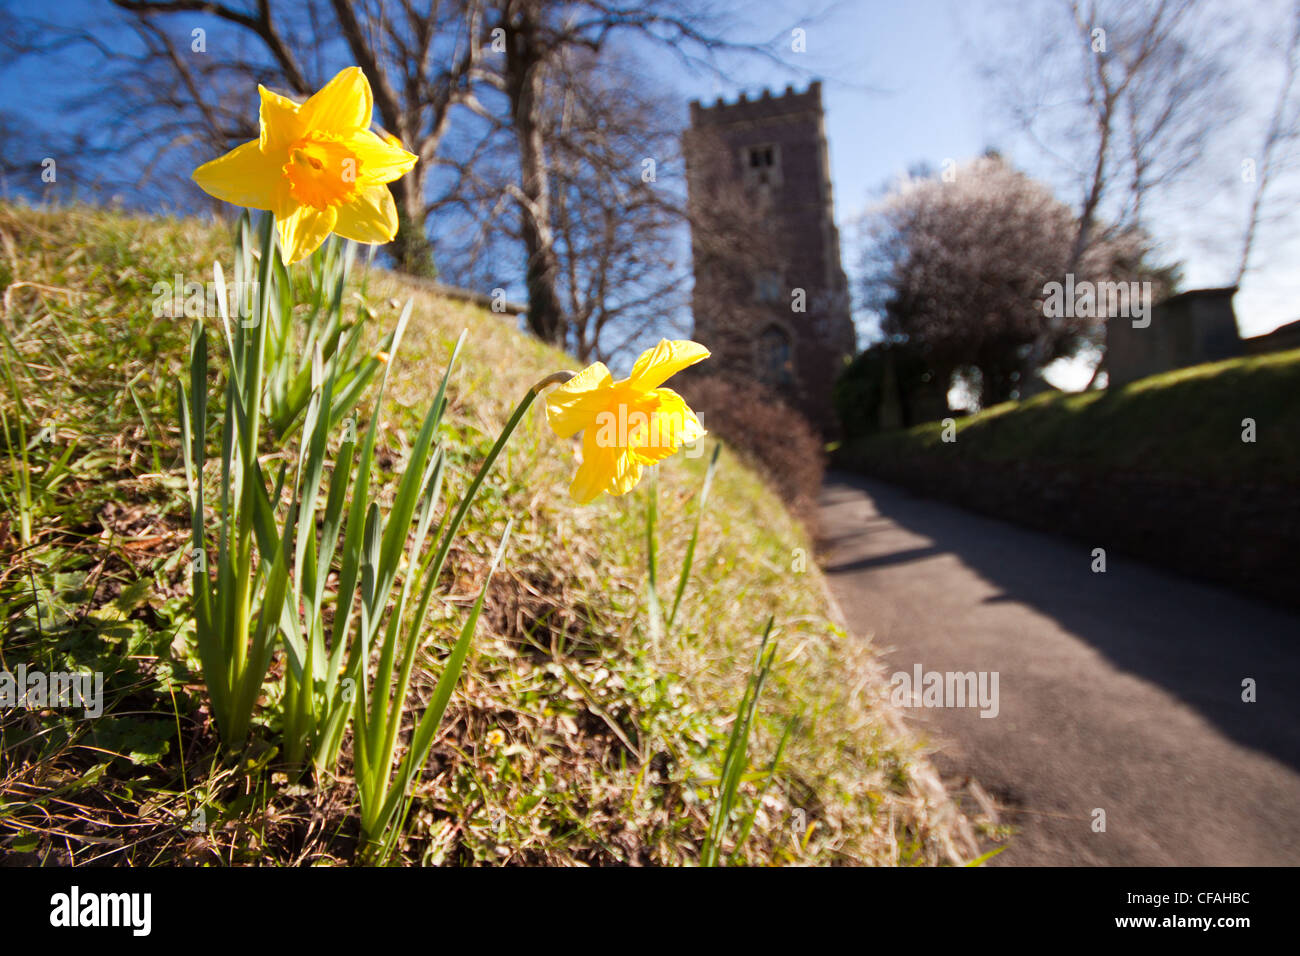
{"type": "Point", "coordinates": [32, 474]}
{"type": "Point", "coordinates": [294, 339]}
{"type": "Point", "coordinates": [238, 609]}
{"type": "Point", "coordinates": [689, 559]}
{"type": "Point", "coordinates": [268, 581]}
{"type": "Point", "coordinates": [382, 793]}
{"type": "Point", "coordinates": [735, 763]}
{"type": "Point", "coordinates": [271, 565]}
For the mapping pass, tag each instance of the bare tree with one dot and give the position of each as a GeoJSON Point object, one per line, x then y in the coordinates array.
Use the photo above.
{"type": "Point", "coordinates": [416, 85]}
{"type": "Point", "coordinates": [537, 34]}
{"type": "Point", "coordinates": [178, 90]}
{"type": "Point", "coordinates": [1125, 95]}
{"type": "Point", "coordinates": [617, 200]}
{"type": "Point", "coordinates": [1279, 142]}
{"type": "Point", "coordinates": [617, 227]}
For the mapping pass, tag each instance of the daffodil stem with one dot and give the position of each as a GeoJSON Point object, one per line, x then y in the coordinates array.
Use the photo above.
{"type": "Point", "coordinates": [376, 784]}
{"type": "Point", "coordinates": [555, 378]}
{"type": "Point", "coordinates": [253, 362]}
{"type": "Point", "coordinates": [652, 560]}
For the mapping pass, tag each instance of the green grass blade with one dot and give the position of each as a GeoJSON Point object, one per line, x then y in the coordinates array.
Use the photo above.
{"type": "Point", "coordinates": [689, 559]}
{"type": "Point", "coordinates": [734, 761]}
{"type": "Point", "coordinates": [427, 728]}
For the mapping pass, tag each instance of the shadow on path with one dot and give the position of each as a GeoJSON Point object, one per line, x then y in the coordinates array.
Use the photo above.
{"type": "Point", "coordinates": [1196, 640]}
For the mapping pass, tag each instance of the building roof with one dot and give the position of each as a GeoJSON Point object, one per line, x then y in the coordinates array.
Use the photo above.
{"type": "Point", "coordinates": [722, 112]}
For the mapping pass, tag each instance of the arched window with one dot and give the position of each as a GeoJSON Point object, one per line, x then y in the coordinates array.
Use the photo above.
{"type": "Point", "coordinates": [775, 356]}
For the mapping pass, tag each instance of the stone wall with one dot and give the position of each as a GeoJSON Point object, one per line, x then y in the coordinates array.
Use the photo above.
{"type": "Point", "coordinates": [1186, 329]}
{"type": "Point", "coordinates": [1245, 537]}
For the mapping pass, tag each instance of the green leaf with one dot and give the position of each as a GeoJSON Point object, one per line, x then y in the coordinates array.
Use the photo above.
{"type": "Point", "coordinates": [422, 739]}
{"type": "Point", "coordinates": [689, 558]}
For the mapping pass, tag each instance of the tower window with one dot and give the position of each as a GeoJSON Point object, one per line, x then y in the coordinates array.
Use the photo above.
{"type": "Point", "coordinates": [767, 288]}
{"type": "Point", "coordinates": [762, 165]}
{"type": "Point", "coordinates": [775, 356]}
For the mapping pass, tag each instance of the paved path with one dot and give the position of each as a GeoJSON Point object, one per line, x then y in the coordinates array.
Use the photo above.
{"type": "Point", "coordinates": [1119, 691]}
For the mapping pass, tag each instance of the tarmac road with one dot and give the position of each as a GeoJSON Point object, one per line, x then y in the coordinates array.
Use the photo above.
{"type": "Point", "coordinates": [1120, 691]}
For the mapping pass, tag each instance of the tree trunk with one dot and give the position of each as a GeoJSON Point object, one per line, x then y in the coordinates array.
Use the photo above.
{"type": "Point", "coordinates": [411, 246]}
{"type": "Point", "coordinates": [996, 384]}
{"type": "Point", "coordinates": [525, 64]}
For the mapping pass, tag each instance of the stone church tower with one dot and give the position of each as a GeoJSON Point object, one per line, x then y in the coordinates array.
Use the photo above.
{"type": "Point", "coordinates": [771, 299]}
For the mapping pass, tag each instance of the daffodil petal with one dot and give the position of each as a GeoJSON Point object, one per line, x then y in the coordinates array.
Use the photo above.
{"type": "Point", "coordinates": [574, 405]}
{"type": "Point", "coordinates": [342, 105]}
{"type": "Point", "coordinates": [281, 125]}
{"type": "Point", "coordinates": [657, 365]}
{"type": "Point", "coordinates": [245, 176]}
{"type": "Point", "coordinates": [303, 230]}
{"type": "Point", "coordinates": [283, 204]}
{"type": "Point", "coordinates": [672, 424]}
{"type": "Point", "coordinates": [370, 217]}
{"type": "Point", "coordinates": [627, 475]}
{"type": "Point", "coordinates": [379, 161]}
{"type": "Point", "coordinates": [589, 480]}
{"type": "Point", "coordinates": [603, 469]}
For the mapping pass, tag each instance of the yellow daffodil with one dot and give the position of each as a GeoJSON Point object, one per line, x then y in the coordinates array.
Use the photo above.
{"type": "Point", "coordinates": [317, 167]}
{"type": "Point", "coordinates": [625, 424]}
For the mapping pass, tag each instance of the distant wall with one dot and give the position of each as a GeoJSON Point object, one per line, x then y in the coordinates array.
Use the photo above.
{"type": "Point", "coordinates": [1244, 537]}
{"type": "Point", "coordinates": [1279, 340]}
{"type": "Point", "coordinates": [1187, 329]}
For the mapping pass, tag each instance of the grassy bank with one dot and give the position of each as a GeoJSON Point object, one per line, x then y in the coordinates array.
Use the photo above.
{"type": "Point", "coordinates": [1184, 423]}
{"type": "Point", "coordinates": [1195, 469]}
{"type": "Point", "coordinates": [574, 736]}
